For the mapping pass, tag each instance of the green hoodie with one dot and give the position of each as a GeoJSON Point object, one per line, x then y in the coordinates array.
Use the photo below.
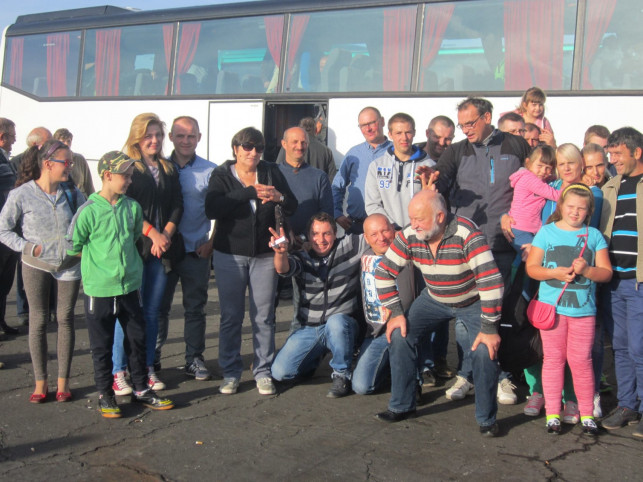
{"type": "Point", "coordinates": [106, 236]}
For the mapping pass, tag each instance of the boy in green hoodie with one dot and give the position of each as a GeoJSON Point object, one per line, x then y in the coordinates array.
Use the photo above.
{"type": "Point", "coordinates": [104, 231]}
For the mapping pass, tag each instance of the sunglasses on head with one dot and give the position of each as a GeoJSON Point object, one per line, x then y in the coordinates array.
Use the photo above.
{"type": "Point", "coordinates": [249, 146]}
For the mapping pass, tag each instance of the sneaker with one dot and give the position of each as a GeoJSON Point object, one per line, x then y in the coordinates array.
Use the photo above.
{"type": "Point", "coordinates": [121, 386]}
{"type": "Point", "coordinates": [620, 417]}
{"type": "Point", "coordinates": [229, 386]}
{"type": "Point", "coordinates": [534, 405]}
{"type": "Point", "coordinates": [197, 370]}
{"type": "Point", "coordinates": [489, 430]}
{"type": "Point", "coordinates": [341, 387]}
{"type": "Point", "coordinates": [442, 370]}
{"type": "Point", "coordinates": [153, 382]}
{"type": "Point", "coordinates": [589, 426]}
{"type": "Point", "coordinates": [265, 386]}
{"type": "Point", "coordinates": [108, 407]}
{"type": "Point", "coordinates": [571, 415]}
{"type": "Point", "coordinates": [598, 411]}
{"type": "Point", "coordinates": [150, 399]}
{"type": "Point", "coordinates": [553, 425]}
{"type": "Point", "coordinates": [638, 432]}
{"type": "Point", "coordinates": [428, 378]}
{"type": "Point", "coordinates": [505, 394]}
{"type": "Point", "coordinates": [460, 389]}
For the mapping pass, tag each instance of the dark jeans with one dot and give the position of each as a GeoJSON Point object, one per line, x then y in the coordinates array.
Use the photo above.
{"type": "Point", "coordinates": [425, 315]}
{"type": "Point", "coordinates": [101, 314]}
{"type": "Point", "coordinates": [8, 261]}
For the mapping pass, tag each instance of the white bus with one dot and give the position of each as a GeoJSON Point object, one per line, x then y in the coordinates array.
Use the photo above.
{"type": "Point", "coordinates": [268, 64]}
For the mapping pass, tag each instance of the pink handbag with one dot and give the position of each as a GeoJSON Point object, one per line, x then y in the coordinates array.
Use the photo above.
{"type": "Point", "coordinates": [543, 315]}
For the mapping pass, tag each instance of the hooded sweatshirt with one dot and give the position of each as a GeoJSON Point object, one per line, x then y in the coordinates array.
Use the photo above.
{"type": "Point", "coordinates": [530, 195]}
{"type": "Point", "coordinates": [391, 183]}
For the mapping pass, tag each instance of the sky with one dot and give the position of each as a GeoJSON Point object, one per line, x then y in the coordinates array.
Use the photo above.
{"type": "Point", "coordinates": [11, 9]}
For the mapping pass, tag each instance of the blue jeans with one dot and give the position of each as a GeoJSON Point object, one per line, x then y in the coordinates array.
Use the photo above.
{"type": "Point", "coordinates": [152, 291]}
{"type": "Point", "coordinates": [425, 315]}
{"type": "Point", "coordinates": [465, 367]}
{"type": "Point", "coordinates": [194, 274]}
{"type": "Point", "coordinates": [520, 238]}
{"type": "Point", "coordinates": [304, 349]}
{"type": "Point", "coordinates": [234, 275]}
{"type": "Point", "coordinates": [372, 365]}
{"type": "Point", "coordinates": [624, 308]}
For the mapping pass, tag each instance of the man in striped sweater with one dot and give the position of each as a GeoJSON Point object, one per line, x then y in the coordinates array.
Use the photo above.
{"type": "Point", "coordinates": [327, 277]}
{"type": "Point", "coordinates": [463, 282]}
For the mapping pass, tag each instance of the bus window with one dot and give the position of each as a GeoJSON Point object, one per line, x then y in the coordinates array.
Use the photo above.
{"type": "Point", "coordinates": [351, 50]}
{"type": "Point", "coordinates": [613, 45]}
{"type": "Point", "coordinates": [231, 56]}
{"type": "Point", "coordinates": [497, 46]}
{"type": "Point", "coordinates": [127, 61]}
{"type": "Point", "coordinates": [43, 65]}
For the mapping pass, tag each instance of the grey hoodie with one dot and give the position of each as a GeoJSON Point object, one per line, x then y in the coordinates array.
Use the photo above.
{"type": "Point", "coordinates": [42, 222]}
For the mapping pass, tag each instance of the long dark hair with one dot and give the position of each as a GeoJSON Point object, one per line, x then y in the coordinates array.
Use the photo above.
{"type": "Point", "coordinates": [31, 163]}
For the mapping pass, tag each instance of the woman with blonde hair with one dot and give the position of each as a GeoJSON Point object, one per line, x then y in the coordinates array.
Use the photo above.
{"type": "Point", "coordinates": [155, 185]}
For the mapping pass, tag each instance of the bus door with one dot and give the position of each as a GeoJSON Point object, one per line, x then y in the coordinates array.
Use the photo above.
{"type": "Point", "coordinates": [225, 119]}
{"type": "Point", "coordinates": [280, 116]}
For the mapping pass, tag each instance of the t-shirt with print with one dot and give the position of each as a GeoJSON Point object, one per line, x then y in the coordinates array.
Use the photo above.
{"type": "Point", "coordinates": [561, 247]}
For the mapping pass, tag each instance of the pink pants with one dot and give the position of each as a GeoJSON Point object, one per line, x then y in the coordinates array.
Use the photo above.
{"type": "Point", "coordinates": [570, 340]}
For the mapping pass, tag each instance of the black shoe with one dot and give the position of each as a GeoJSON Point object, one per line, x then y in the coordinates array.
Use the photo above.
{"type": "Point", "coordinates": [428, 378]}
{"type": "Point", "coordinates": [9, 330]}
{"type": "Point", "coordinates": [341, 387]}
{"type": "Point", "coordinates": [108, 407]}
{"type": "Point", "coordinates": [392, 417]}
{"type": "Point", "coordinates": [620, 417]}
{"type": "Point", "coordinates": [150, 399]}
{"type": "Point", "coordinates": [489, 430]}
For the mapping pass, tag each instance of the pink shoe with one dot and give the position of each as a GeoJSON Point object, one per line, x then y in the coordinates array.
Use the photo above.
{"type": "Point", "coordinates": [534, 405]}
{"type": "Point", "coordinates": [571, 414]}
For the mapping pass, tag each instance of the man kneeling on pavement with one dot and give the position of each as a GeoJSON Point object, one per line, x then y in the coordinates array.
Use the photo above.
{"type": "Point", "coordinates": [463, 282]}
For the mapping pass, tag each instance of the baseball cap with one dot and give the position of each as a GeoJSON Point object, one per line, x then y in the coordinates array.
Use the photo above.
{"type": "Point", "coordinates": [115, 162]}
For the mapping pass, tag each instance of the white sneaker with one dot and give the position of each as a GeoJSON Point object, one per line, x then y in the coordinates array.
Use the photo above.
{"type": "Point", "coordinates": [265, 386]}
{"type": "Point", "coordinates": [598, 411]}
{"type": "Point", "coordinates": [120, 385]}
{"type": "Point", "coordinates": [506, 395]}
{"type": "Point", "coordinates": [460, 389]}
{"type": "Point", "coordinates": [153, 381]}
{"type": "Point", "coordinates": [229, 386]}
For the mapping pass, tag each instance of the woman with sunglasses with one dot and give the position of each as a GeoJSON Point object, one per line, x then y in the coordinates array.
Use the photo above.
{"type": "Point", "coordinates": [243, 195]}
{"type": "Point", "coordinates": [34, 221]}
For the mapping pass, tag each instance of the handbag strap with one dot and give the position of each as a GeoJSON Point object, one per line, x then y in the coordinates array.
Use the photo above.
{"type": "Point", "coordinates": [580, 255]}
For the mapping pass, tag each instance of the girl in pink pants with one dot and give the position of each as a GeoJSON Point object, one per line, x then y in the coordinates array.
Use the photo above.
{"type": "Point", "coordinates": [567, 250]}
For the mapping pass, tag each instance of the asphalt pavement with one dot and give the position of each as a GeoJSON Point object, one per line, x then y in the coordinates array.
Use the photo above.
{"type": "Point", "coordinates": [296, 434]}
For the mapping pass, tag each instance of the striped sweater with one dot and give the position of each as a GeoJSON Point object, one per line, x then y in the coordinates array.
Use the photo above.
{"type": "Point", "coordinates": [328, 285]}
{"type": "Point", "coordinates": [462, 272]}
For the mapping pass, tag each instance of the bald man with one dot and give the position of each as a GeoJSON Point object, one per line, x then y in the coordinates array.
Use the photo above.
{"type": "Point", "coordinates": [462, 281]}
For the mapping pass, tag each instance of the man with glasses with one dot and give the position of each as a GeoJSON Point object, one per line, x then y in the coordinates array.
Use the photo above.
{"type": "Point", "coordinates": [474, 177]}
{"type": "Point", "coordinates": [348, 185]}
{"type": "Point", "coordinates": [512, 123]}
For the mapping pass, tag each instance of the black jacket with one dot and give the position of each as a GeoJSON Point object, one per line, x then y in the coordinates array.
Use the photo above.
{"type": "Point", "coordinates": [238, 230]}
{"type": "Point", "coordinates": [166, 199]}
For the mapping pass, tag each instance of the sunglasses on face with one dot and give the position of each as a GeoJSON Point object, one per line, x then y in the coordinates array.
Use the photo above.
{"type": "Point", "coordinates": [249, 146]}
{"type": "Point", "coordinates": [66, 162]}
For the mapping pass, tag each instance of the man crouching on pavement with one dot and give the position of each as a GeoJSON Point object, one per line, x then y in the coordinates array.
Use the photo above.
{"type": "Point", "coordinates": [327, 277]}
{"type": "Point", "coordinates": [462, 281]}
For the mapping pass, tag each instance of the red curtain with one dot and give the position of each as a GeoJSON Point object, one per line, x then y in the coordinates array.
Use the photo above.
{"type": "Point", "coordinates": [397, 51]}
{"type": "Point", "coordinates": [17, 51]}
{"type": "Point", "coordinates": [187, 48]}
{"type": "Point", "coordinates": [597, 19]}
{"type": "Point", "coordinates": [274, 36]}
{"type": "Point", "coordinates": [297, 29]}
{"type": "Point", "coordinates": [435, 25]}
{"type": "Point", "coordinates": [534, 32]}
{"type": "Point", "coordinates": [108, 60]}
{"type": "Point", "coordinates": [57, 53]}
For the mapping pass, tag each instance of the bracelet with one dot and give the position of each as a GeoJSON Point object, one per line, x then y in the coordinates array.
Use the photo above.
{"type": "Point", "coordinates": [147, 231]}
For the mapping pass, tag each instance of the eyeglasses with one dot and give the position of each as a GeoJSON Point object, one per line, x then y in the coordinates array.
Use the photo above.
{"type": "Point", "coordinates": [518, 132]}
{"type": "Point", "coordinates": [249, 146]}
{"type": "Point", "coordinates": [469, 125]}
{"type": "Point", "coordinates": [66, 162]}
{"type": "Point", "coordinates": [368, 124]}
